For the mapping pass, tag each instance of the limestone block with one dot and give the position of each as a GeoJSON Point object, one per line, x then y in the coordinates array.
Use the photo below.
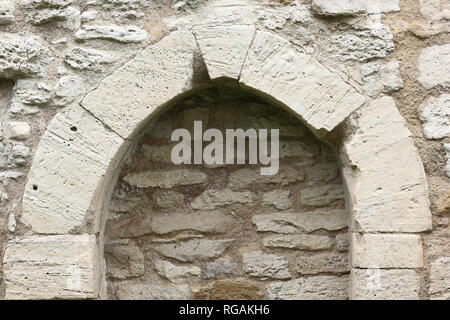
{"type": "Point", "coordinates": [439, 279]}
{"type": "Point", "coordinates": [323, 262]}
{"type": "Point", "coordinates": [290, 222]}
{"type": "Point", "coordinates": [382, 284]}
{"type": "Point", "coordinates": [7, 11]}
{"type": "Point", "coordinates": [211, 199]}
{"type": "Point", "coordinates": [277, 198]}
{"type": "Point", "coordinates": [339, 8]}
{"type": "Point", "coordinates": [177, 274]}
{"type": "Point", "coordinates": [52, 267]}
{"type": "Point", "coordinates": [19, 130]}
{"type": "Point", "coordinates": [265, 266]}
{"type": "Point", "coordinates": [434, 66]}
{"type": "Point", "coordinates": [112, 32]}
{"type": "Point", "coordinates": [165, 178]}
{"type": "Point", "coordinates": [42, 11]}
{"type": "Point", "coordinates": [298, 241]}
{"type": "Point", "coordinates": [70, 162]}
{"type": "Point", "coordinates": [166, 71]}
{"type": "Point", "coordinates": [22, 56]}
{"type": "Point", "coordinates": [127, 261]}
{"type": "Point", "coordinates": [224, 48]}
{"type": "Point", "coordinates": [321, 196]}
{"type": "Point", "coordinates": [311, 288]}
{"type": "Point", "coordinates": [213, 222]}
{"type": "Point", "coordinates": [386, 251]}
{"type": "Point", "coordinates": [387, 186]}
{"type": "Point", "coordinates": [141, 291]}
{"type": "Point", "coordinates": [193, 250]}
{"type": "Point", "coordinates": [320, 97]}
{"type": "Point", "coordinates": [242, 178]}
{"type": "Point", "coordinates": [435, 9]}
{"type": "Point", "coordinates": [435, 113]}
{"type": "Point", "coordinates": [381, 78]}
{"type": "Point", "coordinates": [382, 6]}
{"type": "Point", "coordinates": [87, 59]}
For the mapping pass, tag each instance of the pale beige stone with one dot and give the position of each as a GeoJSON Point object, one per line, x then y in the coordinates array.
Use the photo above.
{"type": "Point", "coordinates": [274, 67]}
{"type": "Point", "coordinates": [193, 250]}
{"type": "Point", "coordinates": [385, 179]}
{"type": "Point", "coordinates": [19, 130]}
{"type": "Point", "coordinates": [112, 32]}
{"type": "Point", "coordinates": [224, 48]}
{"type": "Point", "coordinates": [435, 9]}
{"type": "Point", "coordinates": [52, 267]}
{"type": "Point", "coordinates": [211, 199]}
{"type": "Point", "coordinates": [277, 198]}
{"type": "Point", "coordinates": [386, 251]}
{"type": "Point", "coordinates": [382, 6]}
{"type": "Point", "coordinates": [434, 66]}
{"type": "Point", "coordinates": [440, 279]}
{"type": "Point", "coordinates": [381, 284]}
{"type": "Point", "coordinates": [339, 8]}
{"type": "Point", "coordinates": [311, 288]}
{"type": "Point", "coordinates": [142, 291]}
{"type": "Point", "coordinates": [68, 166]}
{"type": "Point", "coordinates": [177, 274]}
{"type": "Point", "coordinates": [265, 266]}
{"type": "Point", "coordinates": [7, 11]}
{"type": "Point", "coordinates": [298, 241]}
{"type": "Point", "coordinates": [435, 113]}
{"type": "Point", "coordinates": [291, 222]}
{"type": "Point", "coordinates": [165, 178]}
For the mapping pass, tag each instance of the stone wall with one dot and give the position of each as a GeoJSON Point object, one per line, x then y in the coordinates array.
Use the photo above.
{"type": "Point", "coordinates": [53, 52]}
{"type": "Point", "coordinates": [225, 231]}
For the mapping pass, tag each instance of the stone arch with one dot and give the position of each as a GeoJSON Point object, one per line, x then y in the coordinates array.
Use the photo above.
{"type": "Point", "coordinates": [73, 170]}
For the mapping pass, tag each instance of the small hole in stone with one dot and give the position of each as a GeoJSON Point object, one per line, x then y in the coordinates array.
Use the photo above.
{"type": "Point", "coordinates": [74, 129]}
{"type": "Point", "coordinates": [34, 187]}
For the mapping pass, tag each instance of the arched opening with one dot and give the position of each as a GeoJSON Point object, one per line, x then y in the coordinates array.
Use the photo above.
{"type": "Point", "coordinates": [226, 231]}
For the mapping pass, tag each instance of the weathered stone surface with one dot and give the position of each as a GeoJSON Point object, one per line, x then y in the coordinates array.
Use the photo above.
{"type": "Point", "coordinates": [218, 268]}
{"type": "Point", "coordinates": [265, 266]}
{"type": "Point", "coordinates": [177, 274]}
{"type": "Point", "coordinates": [288, 222]}
{"type": "Point", "coordinates": [68, 88]}
{"type": "Point", "coordinates": [138, 291]}
{"type": "Point", "coordinates": [381, 78]}
{"type": "Point", "coordinates": [425, 29]}
{"type": "Point", "coordinates": [123, 205]}
{"type": "Point", "coordinates": [52, 267]}
{"type": "Point", "coordinates": [382, 6]}
{"type": "Point", "coordinates": [298, 241]}
{"type": "Point", "coordinates": [167, 199]}
{"type": "Point", "coordinates": [389, 191]}
{"type": "Point", "coordinates": [312, 288]}
{"type": "Point", "coordinates": [57, 194]}
{"type": "Point", "coordinates": [242, 178]}
{"type": "Point", "coordinates": [447, 156]}
{"type": "Point", "coordinates": [230, 289]}
{"type": "Point", "coordinates": [13, 154]}
{"type": "Point", "coordinates": [337, 8]}
{"type": "Point", "coordinates": [343, 242]}
{"type": "Point", "coordinates": [435, 9]}
{"type": "Point", "coordinates": [434, 66]}
{"type": "Point", "coordinates": [166, 69]}
{"type": "Point", "coordinates": [19, 130]}
{"type": "Point", "coordinates": [211, 199]}
{"type": "Point", "coordinates": [30, 92]}
{"type": "Point", "coordinates": [277, 198]}
{"type": "Point", "coordinates": [22, 56]}
{"type": "Point", "coordinates": [323, 262]}
{"type": "Point", "coordinates": [323, 171]}
{"type": "Point", "coordinates": [373, 40]}
{"type": "Point", "coordinates": [439, 279]}
{"type": "Point", "coordinates": [386, 251]}
{"type": "Point", "coordinates": [382, 284]}
{"type": "Point", "coordinates": [273, 66]}
{"type": "Point", "coordinates": [112, 32]}
{"type": "Point", "coordinates": [321, 196]}
{"type": "Point", "coordinates": [435, 112]}
{"type": "Point", "coordinates": [87, 59]}
{"type": "Point", "coordinates": [165, 178]}
{"type": "Point", "coordinates": [127, 262]}
{"type": "Point", "coordinates": [214, 222]}
{"type": "Point", "coordinates": [43, 11]}
{"type": "Point", "coordinates": [7, 11]}
{"type": "Point", "coordinates": [224, 48]}
{"type": "Point", "coordinates": [193, 250]}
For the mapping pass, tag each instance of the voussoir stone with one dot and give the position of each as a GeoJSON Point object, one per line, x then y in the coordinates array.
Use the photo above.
{"type": "Point", "coordinates": [311, 288]}
{"type": "Point", "coordinates": [113, 32]}
{"type": "Point", "coordinates": [337, 8]}
{"type": "Point", "coordinates": [298, 241]}
{"type": "Point", "coordinates": [436, 114]}
{"type": "Point", "coordinates": [166, 70]}
{"type": "Point", "coordinates": [385, 284]}
{"type": "Point", "coordinates": [291, 222]}
{"type": "Point", "coordinates": [224, 48]}
{"type": "Point", "coordinates": [395, 251]}
{"type": "Point", "coordinates": [52, 267]}
{"type": "Point", "coordinates": [434, 66]}
{"type": "Point", "coordinates": [275, 67]}
{"type": "Point", "coordinates": [265, 266]}
{"type": "Point", "coordinates": [193, 250]}
{"type": "Point", "coordinates": [214, 222]}
{"type": "Point", "coordinates": [57, 194]}
{"type": "Point", "coordinates": [165, 178]}
{"type": "Point", "coordinates": [384, 173]}
{"type": "Point", "coordinates": [138, 291]}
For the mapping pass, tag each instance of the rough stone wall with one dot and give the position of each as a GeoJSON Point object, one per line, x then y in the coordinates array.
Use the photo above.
{"type": "Point", "coordinates": [52, 52]}
{"type": "Point", "coordinates": [224, 232]}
